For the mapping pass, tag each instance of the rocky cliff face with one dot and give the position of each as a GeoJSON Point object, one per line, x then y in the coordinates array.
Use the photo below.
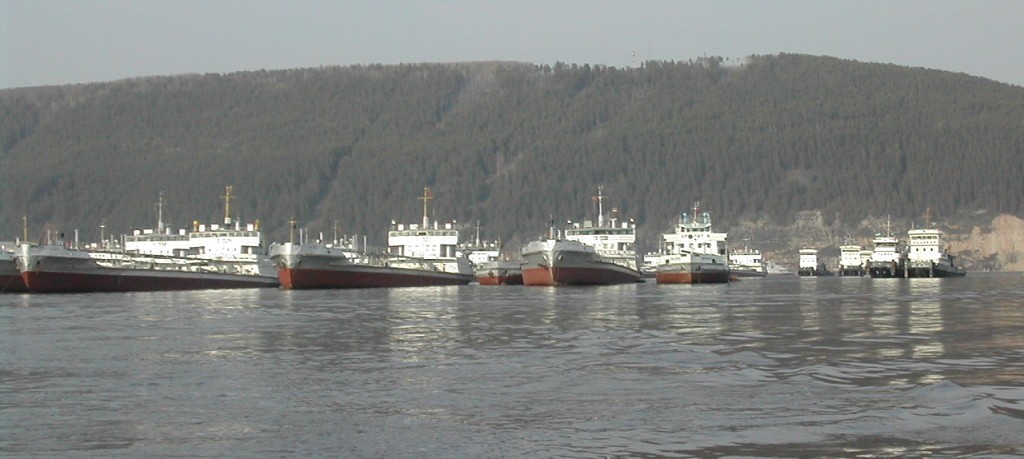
{"type": "Point", "coordinates": [998, 247]}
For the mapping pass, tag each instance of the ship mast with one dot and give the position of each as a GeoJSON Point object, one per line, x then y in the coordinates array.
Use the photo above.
{"type": "Point", "coordinates": [160, 213]}
{"type": "Point", "coordinates": [227, 204]}
{"type": "Point", "coordinates": [600, 205]}
{"type": "Point", "coordinates": [291, 230]}
{"type": "Point", "coordinates": [427, 196]}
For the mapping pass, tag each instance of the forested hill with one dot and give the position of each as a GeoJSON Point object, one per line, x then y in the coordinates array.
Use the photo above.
{"type": "Point", "coordinates": [512, 145]}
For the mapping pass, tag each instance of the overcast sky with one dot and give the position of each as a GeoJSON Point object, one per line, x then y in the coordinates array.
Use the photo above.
{"type": "Point", "coordinates": [45, 42]}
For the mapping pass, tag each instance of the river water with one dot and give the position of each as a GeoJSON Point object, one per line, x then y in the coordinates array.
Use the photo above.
{"type": "Point", "coordinates": [780, 366]}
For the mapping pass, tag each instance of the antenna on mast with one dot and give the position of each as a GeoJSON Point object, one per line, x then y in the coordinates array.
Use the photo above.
{"type": "Point", "coordinates": [427, 196]}
{"type": "Point", "coordinates": [227, 204]}
{"type": "Point", "coordinates": [160, 213]}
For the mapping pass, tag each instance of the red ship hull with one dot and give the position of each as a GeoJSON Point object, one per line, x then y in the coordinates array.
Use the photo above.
{"type": "Point", "coordinates": [124, 281]}
{"type": "Point", "coordinates": [292, 278]}
{"type": "Point", "coordinates": [12, 284]}
{"type": "Point", "coordinates": [577, 276]}
{"type": "Point", "coordinates": [501, 280]}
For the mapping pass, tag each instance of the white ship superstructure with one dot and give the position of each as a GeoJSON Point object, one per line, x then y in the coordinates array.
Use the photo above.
{"type": "Point", "coordinates": [925, 256]}
{"type": "Point", "coordinates": [613, 240]}
{"type": "Point", "coordinates": [808, 262]}
{"type": "Point", "coordinates": [231, 243]}
{"type": "Point", "coordinates": [431, 242]}
{"type": "Point", "coordinates": [692, 253]}
{"type": "Point", "coordinates": [886, 257]}
{"type": "Point", "coordinates": [851, 261]}
{"type": "Point", "coordinates": [746, 262]}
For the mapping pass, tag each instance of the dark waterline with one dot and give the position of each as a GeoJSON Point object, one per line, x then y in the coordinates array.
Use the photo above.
{"type": "Point", "coordinates": [763, 367]}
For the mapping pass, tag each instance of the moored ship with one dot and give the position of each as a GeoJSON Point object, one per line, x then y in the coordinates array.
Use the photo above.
{"type": "Point", "coordinates": [499, 272]}
{"type": "Point", "coordinates": [886, 258]}
{"type": "Point", "coordinates": [589, 254]}
{"type": "Point", "coordinates": [810, 265]}
{"type": "Point", "coordinates": [418, 255]}
{"type": "Point", "coordinates": [60, 269]}
{"type": "Point", "coordinates": [851, 260]}
{"type": "Point", "coordinates": [926, 258]}
{"type": "Point", "coordinates": [208, 257]}
{"type": "Point", "coordinates": [745, 263]}
{"type": "Point", "coordinates": [692, 253]}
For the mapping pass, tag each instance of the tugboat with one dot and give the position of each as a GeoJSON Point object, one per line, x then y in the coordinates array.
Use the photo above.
{"type": "Point", "coordinates": [746, 262]}
{"type": "Point", "coordinates": [693, 254]}
{"type": "Point", "coordinates": [418, 255]}
{"type": "Point", "coordinates": [925, 257]}
{"type": "Point", "coordinates": [851, 261]}
{"type": "Point", "coordinates": [489, 266]}
{"type": "Point", "coordinates": [601, 254]}
{"type": "Point", "coordinates": [500, 272]}
{"type": "Point", "coordinates": [810, 265]}
{"type": "Point", "coordinates": [886, 260]}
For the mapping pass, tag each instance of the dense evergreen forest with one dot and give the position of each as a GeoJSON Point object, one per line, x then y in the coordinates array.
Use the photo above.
{"type": "Point", "coordinates": [512, 145]}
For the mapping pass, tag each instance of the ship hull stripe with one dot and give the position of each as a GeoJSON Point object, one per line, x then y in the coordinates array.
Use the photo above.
{"type": "Point", "coordinates": [126, 281]}
{"type": "Point", "coordinates": [578, 276]}
{"type": "Point", "coordinates": [303, 278]}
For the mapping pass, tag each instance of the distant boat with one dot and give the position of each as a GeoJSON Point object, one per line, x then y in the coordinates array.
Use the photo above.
{"type": "Point", "coordinates": [810, 265]}
{"type": "Point", "coordinates": [692, 253]}
{"type": "Point", "coordinates": [418, 255]}
{"type": "Point", "coordinates": [499, 272]}
{"type": "Point", "coordinates": [925, 257]}
{"type": "Point", "coordinates": [851, 261]}
{"type": "Point", "coordinates": [589, 254]}
{"type": "Point", "coordinates": [746, 262]}
{"type": "Point", "coordinates": [489, 266]}
{"type": "Point", "coordinates": [886, 259]}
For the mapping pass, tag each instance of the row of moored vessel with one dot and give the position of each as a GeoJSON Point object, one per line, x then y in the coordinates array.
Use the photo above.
{"type": "Point", "coordinates": [232, 255]}
{"type": "Point", "coordinates": [922, 256]}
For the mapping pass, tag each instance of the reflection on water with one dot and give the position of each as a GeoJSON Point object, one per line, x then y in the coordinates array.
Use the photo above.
{"type": "Point", "coordinates": [761, 367]}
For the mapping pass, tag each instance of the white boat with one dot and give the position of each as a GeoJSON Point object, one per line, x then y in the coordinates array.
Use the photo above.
{"type": "Point", "coordinates": [588, 254]}
{"type": "Point", "coordinates": [692, 253]}
{"type": "Point", "coordinates": [851, 260]}
{"type": "Point", "coordinates": [811, 265]}
{"type": "Point", "coordinates": [926, 258]}
{"type": "Point", "coordinates": [886, 255]}
{"type": "Point", "coordinates": [746, 262]}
